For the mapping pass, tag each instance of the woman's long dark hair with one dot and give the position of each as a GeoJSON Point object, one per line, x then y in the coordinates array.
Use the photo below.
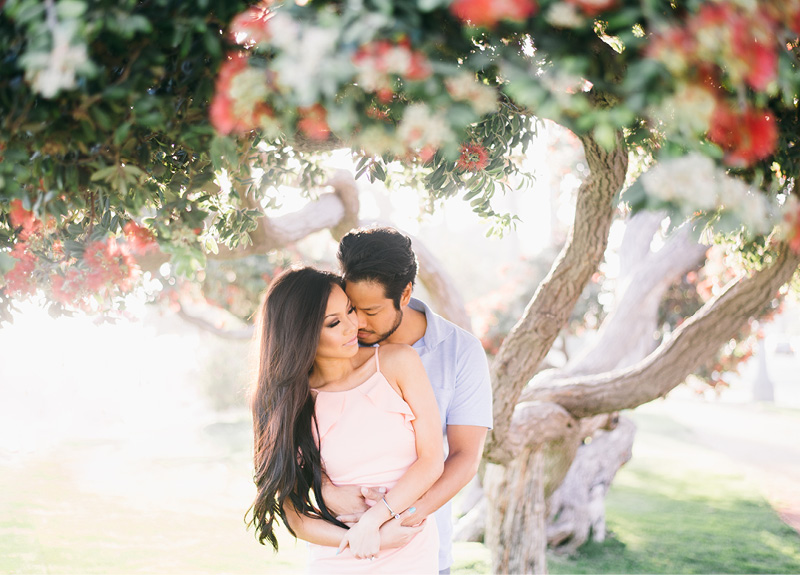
{"type": "Point", "coordinates": [286, 456]}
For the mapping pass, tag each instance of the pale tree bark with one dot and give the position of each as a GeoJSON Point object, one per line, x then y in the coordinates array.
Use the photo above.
{"type": "Point", "coordinates": [576, 509]}
{"type": "Point", "coordinates": [625, 337]}
{"type": "Point", "coordinates": [335, 210]}
{"type": "Point", "coordinates": [531, 338]}
{"type": "Point", "coordinates": [627, 333]}
{"type": "Point", "coordinates": [518, 359]}
{"type": "Point", "coordinates": [692, 343]}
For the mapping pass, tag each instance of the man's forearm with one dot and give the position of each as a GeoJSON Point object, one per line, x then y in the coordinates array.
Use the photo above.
{"type": "Point", "coordinates": [459, 469]}
{"type": "Point", "coordinates": [466, 447]}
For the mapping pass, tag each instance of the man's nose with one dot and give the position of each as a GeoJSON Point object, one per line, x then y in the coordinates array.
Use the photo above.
{"type": "Point", "coordinates": [362, 319]}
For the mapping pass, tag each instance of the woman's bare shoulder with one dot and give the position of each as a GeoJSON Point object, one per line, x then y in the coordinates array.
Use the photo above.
{"type": "Point", "coordinates": [397, 355]}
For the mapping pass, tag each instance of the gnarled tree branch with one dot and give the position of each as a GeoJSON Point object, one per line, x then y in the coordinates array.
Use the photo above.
{"type": "Point", "coordinates": [549, 309]}
{"type": "Point", "coordinates": [692, 343]}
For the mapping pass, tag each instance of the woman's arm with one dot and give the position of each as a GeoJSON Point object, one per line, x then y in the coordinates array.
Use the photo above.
{"type": "Point", "coordinates": [402, 366]}
{"type": "Point", "coordinates": [312, 529]}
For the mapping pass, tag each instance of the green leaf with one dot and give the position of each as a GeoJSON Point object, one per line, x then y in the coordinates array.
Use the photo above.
{"type": "Point", "coordinates": [211, 245]}
{"type": "Point", "coordinates": [106, 174]}
{"type": "Point", "coordinates": [70, 9]}
{"type": "Point", "coordinates": [223, 152]}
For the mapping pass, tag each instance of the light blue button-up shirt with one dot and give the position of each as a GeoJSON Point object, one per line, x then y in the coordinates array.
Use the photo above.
{"type": "Point", "coordinates": [456, 365]}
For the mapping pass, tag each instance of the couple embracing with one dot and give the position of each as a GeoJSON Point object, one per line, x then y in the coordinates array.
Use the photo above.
{"type": "Point", "coordinates": [369, 415]}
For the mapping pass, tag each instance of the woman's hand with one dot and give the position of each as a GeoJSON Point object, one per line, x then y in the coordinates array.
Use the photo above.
{"type": "Point", "coordinates": [363, 539]}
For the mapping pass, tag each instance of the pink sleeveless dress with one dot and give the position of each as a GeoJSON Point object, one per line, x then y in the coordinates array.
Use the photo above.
{"type": "Point", "coordinates": [366, 438]}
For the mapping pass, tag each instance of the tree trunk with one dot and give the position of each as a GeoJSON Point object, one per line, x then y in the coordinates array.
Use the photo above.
{"type": "Point", "coordinates": [516, 532]}
{"type": "Point", "coordinates": [532, 337]}
{"type": "Point", "coordinates": [576, 509]}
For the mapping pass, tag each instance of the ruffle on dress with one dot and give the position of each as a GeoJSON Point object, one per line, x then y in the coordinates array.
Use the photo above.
{"type": "Point", "coordinates": [376, 389]}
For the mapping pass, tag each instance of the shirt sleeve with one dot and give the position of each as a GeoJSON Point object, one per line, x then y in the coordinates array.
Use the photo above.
{"type": "Point", "coordinates": [472, 395]}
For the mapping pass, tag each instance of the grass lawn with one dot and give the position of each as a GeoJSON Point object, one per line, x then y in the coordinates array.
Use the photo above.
{"type": "Point", "coordinates": [675, 508]}
{"type": "Point", "coordinates": [680, 508]}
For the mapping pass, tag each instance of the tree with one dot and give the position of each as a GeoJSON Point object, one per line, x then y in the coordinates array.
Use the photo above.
{"type": "Point", "coordinates": [128, 125]}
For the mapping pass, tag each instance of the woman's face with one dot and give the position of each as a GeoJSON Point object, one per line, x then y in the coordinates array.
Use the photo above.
{"type": "Point", "coordinates": [339, 327]}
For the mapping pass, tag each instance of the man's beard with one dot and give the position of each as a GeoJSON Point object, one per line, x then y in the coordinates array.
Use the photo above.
{"type": "Point", "coordinates": [384, 336]}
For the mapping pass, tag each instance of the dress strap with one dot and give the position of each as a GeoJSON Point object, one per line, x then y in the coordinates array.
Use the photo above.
{"type": "Point", "coordinates": [377, 363]}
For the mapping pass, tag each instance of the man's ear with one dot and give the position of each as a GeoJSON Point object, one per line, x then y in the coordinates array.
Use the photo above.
{"type": "Point", "coordinates": [405, 297]}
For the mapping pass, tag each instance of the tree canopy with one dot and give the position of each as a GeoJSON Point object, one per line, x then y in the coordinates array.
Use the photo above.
{"type": "Point", "coordinates": [130, 126]}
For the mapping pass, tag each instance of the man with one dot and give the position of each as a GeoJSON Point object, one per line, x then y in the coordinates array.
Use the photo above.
{"type": "Point", "coordinates": [379, 269]}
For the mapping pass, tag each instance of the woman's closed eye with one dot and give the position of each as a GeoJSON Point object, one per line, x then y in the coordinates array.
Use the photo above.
{"type": "Point", "coordinates": [334, 323]}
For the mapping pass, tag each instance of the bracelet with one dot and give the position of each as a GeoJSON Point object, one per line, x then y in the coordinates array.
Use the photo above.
{"type": "Point", "coordinates": [395, 515]}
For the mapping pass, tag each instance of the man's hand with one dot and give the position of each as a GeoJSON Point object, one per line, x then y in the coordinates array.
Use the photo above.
{"type": "Point", "coordinates": [394, 534]}
{"type": "Point", "coordinates": [349, 501]}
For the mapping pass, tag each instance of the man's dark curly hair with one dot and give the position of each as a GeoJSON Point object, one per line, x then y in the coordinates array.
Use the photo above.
{"type": "Point", "coordinates": [383, 255]}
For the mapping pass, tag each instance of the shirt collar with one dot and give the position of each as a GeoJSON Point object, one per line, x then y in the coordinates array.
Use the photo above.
{"type": "Point", "coordinates": [438, 328]}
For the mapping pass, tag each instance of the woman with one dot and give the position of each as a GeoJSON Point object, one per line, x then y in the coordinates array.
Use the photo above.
{"type": "Point", "coordinates": [364, 416]}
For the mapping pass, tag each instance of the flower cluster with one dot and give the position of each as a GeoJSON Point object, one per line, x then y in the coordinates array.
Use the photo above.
{"type": "Point", "coordinates": [238, 105]}
{"type": "Point", "coordinates": [489, 12]}
{"type": "Point", "coordinates": [379, 63]}
{"type": "Point", "coordinates": [106, 269]}
{"type": "Point", "coordinates": [474, 158]}
{"type": "Point", "coordinates": [724, 43]}
{"type": "Point", "coordinates": [791, 223]}
{"type": "Point", "coordinates": [745, 135]}
{"type": "Point", "coordinates": [695, 184]}
{"type": "Point", "coordinates": [295, 75]}
{"type": "Point", "coordinates": [139, 239]}
{"type": "Point", "coordinates": [50, 72]}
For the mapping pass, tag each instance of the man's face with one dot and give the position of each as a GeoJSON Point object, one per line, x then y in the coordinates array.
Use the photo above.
{"type": "Point", "coordinates": [377, 317]}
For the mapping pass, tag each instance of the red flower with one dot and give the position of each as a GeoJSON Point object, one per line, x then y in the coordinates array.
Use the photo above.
{"type": "Point", "coordinates": [66, 289]}
{"type": "Point", "coordinates": [23, 220]}
{"type": "Point", "coordinates": [593, 7]}
{"type": "Point", "coordinates": [252, 25]}
{"type": "Point", "coordinates": [19, 279]}
{"type": "Point", "coordinates": [141, 240]}
{"type": "Point", "coordinates": [110, 266]}
{"type": "Point", "coordinates": [474, 158]}
{"type": "Point", "coordinates": [426, 153]}
{"type": "Point", "coordinates": [419, 68]}
{"type": "Point", "coordinates": [745, 136]}
{"type": "Point", "coordinates": [792, 218]}
{"type": "Point", "coordinates": [377, 56]}
{"type": "Point", "coordinates": [222, 112]}
{"type": "Point", "coordinates": [762, 63]}
{"type": "Point", "coordinates": [748, 40]}
{"type": "Point", "coordinates": [489, 12]}
{"type": "Point", "coordinates": [313, 122]}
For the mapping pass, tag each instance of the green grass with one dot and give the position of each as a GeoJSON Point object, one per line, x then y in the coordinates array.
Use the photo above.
{"type": "Point", "coordinates": [675, 508]}
{"type": "Point", "coordinates": [679, 508]}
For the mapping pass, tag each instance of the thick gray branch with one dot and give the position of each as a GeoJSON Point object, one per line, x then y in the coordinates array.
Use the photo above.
{"type": "Point", "coordinates": [697, 339]}
{"type": "Point", "coordinates": [529, 341]}
{"type": "Point", "coordinates": [626, 335]}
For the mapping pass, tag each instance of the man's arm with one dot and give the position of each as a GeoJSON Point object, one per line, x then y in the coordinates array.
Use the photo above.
{"type": "Point", "coordinates": [393, 533]}
{"type": "Point", "coordinates": [466, 447]}
{"type": "Point", "coordinates": [349, 499]}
